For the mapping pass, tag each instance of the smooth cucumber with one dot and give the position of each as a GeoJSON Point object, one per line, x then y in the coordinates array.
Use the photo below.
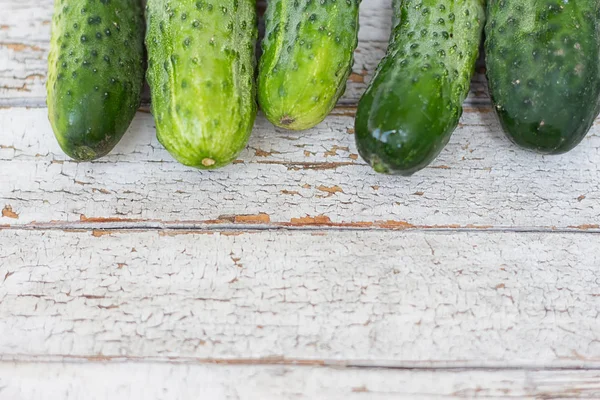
{"type": "Point", "coordinates": [543, 67]}
{"type": "Point", "coordinates": [201, 63]}
{"type": "Point", "coordinates": [95, 73]}
{"type": "Point", "coordinates": [412, 106]}
{"type": "Point", "coordinates": [308, 52]}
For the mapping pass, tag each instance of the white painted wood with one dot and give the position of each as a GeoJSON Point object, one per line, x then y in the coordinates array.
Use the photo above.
{"type": "Point", "coordinates": [480, 179]}
{"type": "Point", "coordinates": [25, 36]}
{"type": "Point", "coordinates": [134, 381]}
{"type": "Point", "coordinates": [425, 299]}
{"type": "Point", "coordinates": [340, 292]}
{"type": "Point", "coordinates": [24, 43]}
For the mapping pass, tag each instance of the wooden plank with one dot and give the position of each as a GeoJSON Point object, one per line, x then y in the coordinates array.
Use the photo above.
{"type": "Point", "coordinates": [25, 36]}
{"type": "Point", "coordinates": [479, 181]}
{"type": "Point", "coordinates": [401, 299]}
{"type": "Point", "coordinates": [24, 43]}
{"type": "Point", "coordinates": [133, 381]}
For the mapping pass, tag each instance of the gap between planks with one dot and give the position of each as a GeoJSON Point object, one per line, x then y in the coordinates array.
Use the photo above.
{"type": "Point", "coordinates": [433, 365]}
{"type": "Point", "coordinates": [342, 108]}
{"type": "Point", "coordinates": [101, 226]}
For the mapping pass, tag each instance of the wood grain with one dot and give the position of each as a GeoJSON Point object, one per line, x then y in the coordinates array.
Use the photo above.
{"type": "Point", "coordinates": [134, 381]}
{"type": "Point", "coordinates": [295, 271]}
{"type": "Point", "coordinates": [398, 299]}
{"type": "Point", "coordinates": [480, 181]}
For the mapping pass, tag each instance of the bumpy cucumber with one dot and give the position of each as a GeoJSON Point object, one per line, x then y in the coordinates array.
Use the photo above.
{"type": "Point", "coordinates": [201, 63]}
{"type": "Point", "coordinates": [414, 102]}
{"type": "Point", "coordinates": [543, 63]}
{"type": "Point", "coordinates": [95, 73]}
{"type": "Point", "coordinates": [307, 56]}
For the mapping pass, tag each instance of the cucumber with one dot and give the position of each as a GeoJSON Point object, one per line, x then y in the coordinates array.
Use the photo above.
{"type": "Point", "coordinates": [95, 73]}
{"type": "Point", "coordinates": [543, 67]}
{"type": "Point", "coordinates": [201, 64]}
{"type": "Point", "coordinates": [412, 106]}
{"type": "Point", "coordinates": [308, 52]}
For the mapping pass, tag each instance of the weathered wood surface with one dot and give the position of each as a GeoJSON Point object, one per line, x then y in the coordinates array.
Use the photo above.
{"type": "Point", "coordinates": [25, 35]}
{"type": "Point", "coordinates": [480, 181]}
{"type": "Point", "coordinates": [401, 299]}
{"type": "Point", "coordinates": [136, 381]}
{"type": "Point", "coordinates": [138, 271]}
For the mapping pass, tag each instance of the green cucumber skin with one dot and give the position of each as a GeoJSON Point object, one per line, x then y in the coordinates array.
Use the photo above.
{"type": "Point", "coordinates": [95, 73]}
{"type": "Point", "coordinates": [414, 103]}
{"type": "Point", "coordinates": [308, 52]}
{"type": "Point", "coordinates": [201, 67]}
{"type": "Point", "coordinates": [543, 67]}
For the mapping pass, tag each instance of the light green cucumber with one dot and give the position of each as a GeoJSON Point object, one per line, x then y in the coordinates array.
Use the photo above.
{"type": "Point", "coordinates": [201, 64]}
{"type": "Point", "coordinates": [307, 57]}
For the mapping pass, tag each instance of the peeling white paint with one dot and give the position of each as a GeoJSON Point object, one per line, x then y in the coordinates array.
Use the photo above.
{"type": "Point", "coordinates": [379, 298]}
{"type": "Point", "coordinates": [480, 180]}
{"type": "Point", "coordinates": [153, 311]}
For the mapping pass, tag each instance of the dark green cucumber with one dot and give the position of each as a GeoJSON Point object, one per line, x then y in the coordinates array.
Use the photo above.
{"type": "Point", "coordinates": [414, 102]}
{"type": "Point", "coordinates": [95, 73]}
{"type": "Point", "coordinates": [308, 52]}
{"type": "Point", "coordinates": [201, 63]}
{"type": "Point", "coordinates": [543, 63]}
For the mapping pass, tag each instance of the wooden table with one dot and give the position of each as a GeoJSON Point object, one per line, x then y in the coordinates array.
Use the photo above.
{"type": "Point", "coordinates": [297, 272]}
